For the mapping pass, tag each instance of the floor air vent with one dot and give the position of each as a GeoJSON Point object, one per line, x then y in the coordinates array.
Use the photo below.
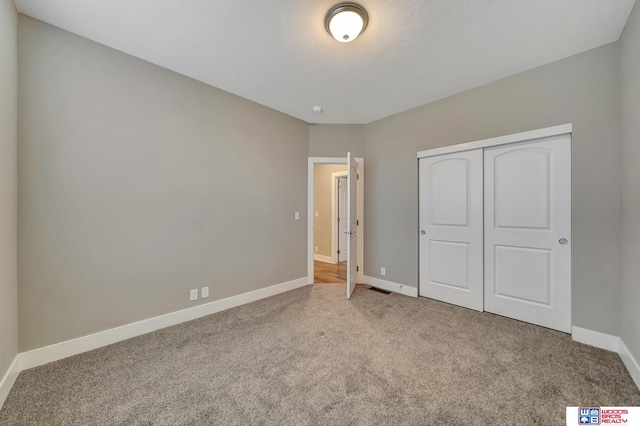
{"type": "Point", "coordinates": [379, 290]}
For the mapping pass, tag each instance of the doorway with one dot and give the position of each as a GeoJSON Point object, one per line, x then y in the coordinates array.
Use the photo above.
{"type": "Point", "coordinates": [326, 223]}
{"type": "Point", "coordinates": [322, 260]}
{"type": "Point", "coordinates": [339, 225]}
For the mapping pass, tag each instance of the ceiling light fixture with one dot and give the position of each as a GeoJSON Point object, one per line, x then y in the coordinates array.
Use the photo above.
{"type": "Point", "coordinates": [346, 21]}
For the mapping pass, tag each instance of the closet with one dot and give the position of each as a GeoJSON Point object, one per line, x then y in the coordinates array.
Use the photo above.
{"type": "Point", "coordinates": [495, 225]}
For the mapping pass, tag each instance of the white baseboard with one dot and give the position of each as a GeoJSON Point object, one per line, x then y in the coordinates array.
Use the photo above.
{"type": "Point", "coordinates": [323, 258]}
{"type": "Point", "coordinates": [630, 362]}
{"type": "Point", "coordinates": [9, 379]}
{"type": "Point", "coordinates": [390, 286]}
{"type": "Point", "coordinates": [595, 338]}
{"type": "Point", "coordinates": [76, 346]}
{"type": "Point", "coordinates": [610, 343]}
{"type": "Point", "coordinates": [41, 356]}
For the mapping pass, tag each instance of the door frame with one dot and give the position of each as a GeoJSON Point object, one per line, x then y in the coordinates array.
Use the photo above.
{"type": "Point", "coordinates": [312, 161]}
{"type": "Point", "coordinates": [335, 230]}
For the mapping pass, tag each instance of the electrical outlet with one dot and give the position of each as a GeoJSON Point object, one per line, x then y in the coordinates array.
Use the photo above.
{"type": "Point", "coordinates": [316, 214]}
{"type": "Point", "coordinates": [383, 271]}
{"type": "Point", "coordinates": [316, 249]}
{"type": "Point", "coordinates": [193, 294]}
{"type": "Point", "coordinates": [204, 292]}
{"type": "Point", "coordinates": [297, 216]}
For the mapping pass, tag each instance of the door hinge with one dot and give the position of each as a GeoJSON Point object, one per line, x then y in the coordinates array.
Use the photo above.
{"type": "Point", "coordinates": [357, 268]}
{"type": "Point", "coordinates": [357, 223]}
{"type": "Point", "coordinates": [338, 251]}
{"type": "Point", "coordinates": [357, 176]}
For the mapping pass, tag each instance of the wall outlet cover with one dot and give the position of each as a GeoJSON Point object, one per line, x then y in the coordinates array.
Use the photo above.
{"type": "Point", "coordinates": [383, 271]}
{"type": "Point", "coordinates": [193, 294]}
{"type": "Point", "coordinates": [204, 292]}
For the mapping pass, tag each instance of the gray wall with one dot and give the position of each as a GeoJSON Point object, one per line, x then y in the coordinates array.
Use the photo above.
{"type": "Point", "coordinates": [630, 93]}
{"type": "Point", "coordinates": [137, 184]}
{"type": "Point", "coordinates": [8, 184]}
{"type": "Point", "coordinates": [334, 140]}
{"type": "Point", "coordinates": [582, 90]}
{"type": "Point", "coordinates": [322, 183]}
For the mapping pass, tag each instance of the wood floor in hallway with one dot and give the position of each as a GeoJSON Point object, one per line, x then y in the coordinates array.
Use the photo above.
{"type": "Point", "coordinates": [329, 273]}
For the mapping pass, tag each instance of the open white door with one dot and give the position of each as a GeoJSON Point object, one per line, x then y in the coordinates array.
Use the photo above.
{"type": "Point", "coordinates": [352, 220]}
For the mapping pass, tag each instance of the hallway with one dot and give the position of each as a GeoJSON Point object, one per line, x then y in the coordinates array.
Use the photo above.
{"type": "Point", "coordinates": [329, 273]}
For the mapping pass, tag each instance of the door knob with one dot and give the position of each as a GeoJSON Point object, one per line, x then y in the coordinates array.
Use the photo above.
{"type": "Point", "coordinates": [563, 241]}
{"type": "Point", "coordinates": [423, 232]}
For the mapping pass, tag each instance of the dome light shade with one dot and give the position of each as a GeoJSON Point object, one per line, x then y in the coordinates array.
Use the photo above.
{"type": "Point", "coordinates": [346, 21]}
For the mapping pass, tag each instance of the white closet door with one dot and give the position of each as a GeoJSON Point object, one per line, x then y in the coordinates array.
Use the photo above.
{"type": "Point", "coordinates": [527, 231]}
{"type": "Point", "coordinates": [451, 228]}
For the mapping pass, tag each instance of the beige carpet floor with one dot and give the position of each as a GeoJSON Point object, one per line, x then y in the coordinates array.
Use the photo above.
{"type": "Point", "coordinates": [310, 357]}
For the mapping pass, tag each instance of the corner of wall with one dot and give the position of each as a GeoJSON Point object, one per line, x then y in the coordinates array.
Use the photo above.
{"type": "Point", "coordinates": [8, 195]}
{"type": "Point", "coordinates": [629, 315]}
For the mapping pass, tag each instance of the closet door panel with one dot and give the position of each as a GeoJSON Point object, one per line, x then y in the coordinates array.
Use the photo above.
{"type": "Point", "coordinates": [451, 228]}
{"type": "Point", "coordinates": [527, 198]}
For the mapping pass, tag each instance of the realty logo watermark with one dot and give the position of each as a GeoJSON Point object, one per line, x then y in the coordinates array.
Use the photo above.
{"type": "Point", "coordinates": [589, 415]}
{"type": "Point", "coordinates": [603, 415]}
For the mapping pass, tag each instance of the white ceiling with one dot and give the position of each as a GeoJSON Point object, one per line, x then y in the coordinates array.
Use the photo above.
{"type": "Point", "coordinates": [277, 53]}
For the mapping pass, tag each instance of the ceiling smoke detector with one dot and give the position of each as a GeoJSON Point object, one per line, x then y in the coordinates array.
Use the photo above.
{"type": "Point", "coordinates": [346, 21]}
